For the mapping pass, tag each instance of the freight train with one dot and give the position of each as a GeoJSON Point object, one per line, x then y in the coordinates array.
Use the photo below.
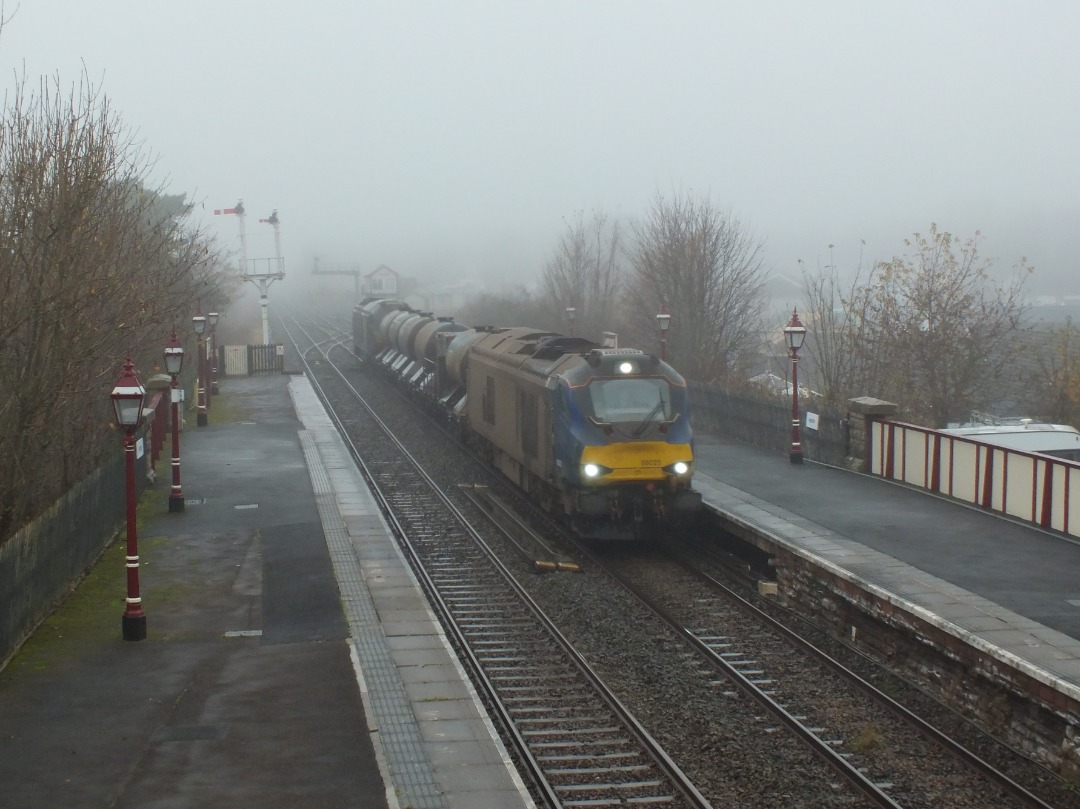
{"type": "Point", "coordinates": [597, 435]}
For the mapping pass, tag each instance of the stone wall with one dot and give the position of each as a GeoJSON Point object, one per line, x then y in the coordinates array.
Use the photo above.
{"type": "Point", "coordinates": [1004, 699]}
{"type": "Point", "coordinates": [862, 412]}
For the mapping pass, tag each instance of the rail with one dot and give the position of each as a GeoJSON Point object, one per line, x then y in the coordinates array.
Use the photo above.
{"type": "Point", "coordinates": [1029, 486]}
{"type": "Point", "coordinates": [563, 739]}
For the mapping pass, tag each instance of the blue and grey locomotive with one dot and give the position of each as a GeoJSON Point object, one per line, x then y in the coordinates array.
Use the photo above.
{"type": "Point", "coordinates": [599, 435]}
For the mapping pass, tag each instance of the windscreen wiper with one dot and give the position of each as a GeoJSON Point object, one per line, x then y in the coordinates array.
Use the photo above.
{"type": "Point", "coordinates": [640, 429]}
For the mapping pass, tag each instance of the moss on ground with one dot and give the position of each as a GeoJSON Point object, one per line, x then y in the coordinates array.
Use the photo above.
{"type": "Point", "coordinates": [90, 616]}
{"type": "Point", "coordinates": [225, 408]}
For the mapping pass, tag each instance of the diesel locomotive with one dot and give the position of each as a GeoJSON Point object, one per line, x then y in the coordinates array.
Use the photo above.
{"type": "Point", "coordinates": [598, 435]}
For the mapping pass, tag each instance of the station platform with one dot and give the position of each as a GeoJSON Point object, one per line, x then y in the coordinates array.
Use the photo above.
{"type": "Point", "coordinates": [1000, 585]}
{"type": "Point", "coordinates": [290, 660]}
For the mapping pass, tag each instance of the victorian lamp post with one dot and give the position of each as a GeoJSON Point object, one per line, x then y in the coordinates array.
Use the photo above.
{"type": "Point", "coordinates": [794, 334]}
{"type": "Point", "coordinates": [198, 322]}
{"type": "Point", "coordinates": [212, 318]}
{"type": "Point", "coordinates": [663, 322]}
{"type": "Point", "coordinates": [127, 398]}
{"type": "Point", "coordinates": [174, 361]}
{"type": "Point", "coordinates": [571, 316]}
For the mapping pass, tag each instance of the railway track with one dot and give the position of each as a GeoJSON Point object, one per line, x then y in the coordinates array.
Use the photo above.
{"type": "Point", "coordinates": [882, 753]}
{"type": "Point", "coordinates": [580, 746]}
{"type": "Point", "coordinates": [795, 703]}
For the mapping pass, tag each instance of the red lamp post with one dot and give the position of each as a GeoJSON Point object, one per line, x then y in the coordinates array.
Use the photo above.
{"type": "Point", "coordinates": [212, 318]}
{"type": "Point", "coordinates": [174, 361]}
{"type": "Point", "coordinates": [663, 322]}
{"type": "Point", "coordinates": [198, 322]}
{"type": "Point", "coordinates": [127, 398]}
{"type": "Point", "coordinates": [794, 334]}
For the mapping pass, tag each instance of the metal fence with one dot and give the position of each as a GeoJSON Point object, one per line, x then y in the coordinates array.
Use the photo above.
{"type": "Point", "coordinates": [763, 419]}
{"type": "Point", "coordinates": [41, 563]}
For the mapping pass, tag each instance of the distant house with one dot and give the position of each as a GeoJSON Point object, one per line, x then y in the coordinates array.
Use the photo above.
{"type": "Point", "coordinates": [778, 386]}
{"type": "Point", "coordinates": [1050, 311]}
{"type": "Point", "coordinates": [381, 281]}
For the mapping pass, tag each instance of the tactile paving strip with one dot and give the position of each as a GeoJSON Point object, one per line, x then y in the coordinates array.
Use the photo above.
{"type": "Point", "coordinates": [397, 733]}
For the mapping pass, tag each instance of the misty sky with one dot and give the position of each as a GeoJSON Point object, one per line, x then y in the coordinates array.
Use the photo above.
{"type": "Point", "coordinates": [450, 139]}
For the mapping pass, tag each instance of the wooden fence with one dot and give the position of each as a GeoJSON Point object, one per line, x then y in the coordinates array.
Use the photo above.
{"type": "Point", "coordinates": [252, 359]}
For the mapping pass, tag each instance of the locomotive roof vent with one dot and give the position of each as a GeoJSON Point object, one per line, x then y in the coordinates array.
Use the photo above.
{"type": "Point", "coordinates": [553, 346]}
{"type": "Point", "coordinates": [597, 355]}
{"type": "Point", "coordinates": [600, 353]}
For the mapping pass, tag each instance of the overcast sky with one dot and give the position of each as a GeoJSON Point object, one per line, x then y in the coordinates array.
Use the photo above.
{"type": "Point", "coordinates": [450, 139]}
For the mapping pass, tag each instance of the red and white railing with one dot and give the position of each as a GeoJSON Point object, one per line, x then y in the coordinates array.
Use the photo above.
{"type": "Point", "coordinates": [1026, 485]}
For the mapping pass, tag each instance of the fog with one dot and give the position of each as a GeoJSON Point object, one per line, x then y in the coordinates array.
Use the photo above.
{"type": "Point", "coordinates": [450, 139]}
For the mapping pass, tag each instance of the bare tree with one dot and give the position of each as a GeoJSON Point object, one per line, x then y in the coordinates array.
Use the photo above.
{"type": "Point", "coordinates": [92, 266]}
{"type": "Point", "coordinates": [708, 268]}
{"type": "Point", "coordinates": [1051, 373]}
{"type": "Point", "coordinates": [846, 360]}
{"type": "Point", "coordinates": [933, 329]}
{"type": "Point", "coordinates": [515, 308]}
{"type": "Point", "coordinates": [585, 272]}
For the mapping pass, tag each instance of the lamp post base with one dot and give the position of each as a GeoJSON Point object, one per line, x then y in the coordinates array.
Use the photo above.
{"type": "Point", "coordinates": [795, 456]}
{"type": "Point", "coordinates": [134, 627]}
{"type": "Point", "coordinates": [176, 503]}
{"type": "Point", "coordinates": [201, 420]}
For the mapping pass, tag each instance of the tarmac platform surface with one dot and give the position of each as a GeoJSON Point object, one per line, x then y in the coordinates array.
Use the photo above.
{"type": "Point", "coordinates": [996, 582]}
{"type": "Point", "coordinates": [291, 661]}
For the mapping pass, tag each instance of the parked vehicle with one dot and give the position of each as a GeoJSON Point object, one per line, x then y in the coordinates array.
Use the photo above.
{"type": "Point", "coordinates": [1059, 440]}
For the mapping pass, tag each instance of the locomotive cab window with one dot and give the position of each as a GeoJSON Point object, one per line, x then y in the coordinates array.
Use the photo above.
{"type": "Point", "coordinates": [640, 399]}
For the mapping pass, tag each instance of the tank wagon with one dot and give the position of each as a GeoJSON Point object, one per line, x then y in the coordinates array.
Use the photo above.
{"type": "Point", "coordinates": [599, 436]}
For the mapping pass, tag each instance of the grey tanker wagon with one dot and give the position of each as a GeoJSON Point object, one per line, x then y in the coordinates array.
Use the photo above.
{"type": "Point", "coordinates": [600, 436]}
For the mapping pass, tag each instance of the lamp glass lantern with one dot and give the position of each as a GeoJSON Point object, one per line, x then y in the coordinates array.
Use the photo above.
{"type": "Point", "coordinates": [212, 317]}
{"type": "Point", "coordinates": [794, 332]}
{"type": "Point", "coordinates": [663, 319]}
{"type": "Point", "coordinates": [198, 322]}
{"type": "Point", "coordinates": [128, 397]}
{"type": "Point", "coordinates": [174, 356]}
